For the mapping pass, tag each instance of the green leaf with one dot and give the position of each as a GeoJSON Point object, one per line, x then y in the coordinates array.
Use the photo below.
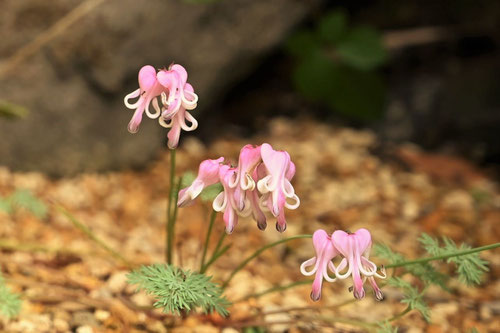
{"type": "Point", "coordinates": [425, 272]}
{"type": "Point", "coordinates": [333, 26]}
{"type": "Point", "coordinates": [386, 327]}
{"type": "Point", "coordinates": [362, 48]}
{"type": "Point", "coordinates": [10, 110]}
{"type": "Point", "coordinates": [359, 95]}
{"type": "Point", "coordinates": [302, 44]}
{"type": "Point", "coordinates": [313, 77]}
{"type": "Point", "coordinates": [210, 192]}
{"type": "Point", "coordinates": [10, 303]}
{"type": "Point", "coordinates": [470, 267]}
{"type": "Point", "coordinates": [177, 290]}
{"type": "Point", "coordinates": [5, 206]}
{"type": "Point", "coordinates": [26, 200]}
{"type": "Point", "coordinates": [187, 179]}
{"type": "Point", "coordinates": [412, 296]}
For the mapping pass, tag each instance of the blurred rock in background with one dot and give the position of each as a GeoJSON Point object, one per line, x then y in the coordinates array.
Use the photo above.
{"type": "Point", "coordinates": [74, 85]}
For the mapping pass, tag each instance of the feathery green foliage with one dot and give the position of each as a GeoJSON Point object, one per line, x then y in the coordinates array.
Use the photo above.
{"type": "Point", "coordinates": [10, 303]}
{"type": "Point", "coordinates": [425, 271]}
{"type": "Point", "coordinates": [412, 296]}
{"type": "Point", "coordinates": [23, 199]}
{"type": "Point", "coordinates": [386, 327]}
{"type": "Point", "coordinates": [177, 290]}
{"type": "Point", "coordinates": [470, 267]}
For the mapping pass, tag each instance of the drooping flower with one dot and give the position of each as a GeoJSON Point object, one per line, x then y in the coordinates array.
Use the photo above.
{"type": "Point", "coordinates": [170, 87]}
{"type": "Point", "coordinates": [275, 186]}
{"type": "Point", "coordinates": [355, 248]}
{"type": "Point", "coordinates": [208, 174]}
{"type": "Point", "coordinates": [242, 194]}
{"type": "Point", "coordinates": [226, 201]}
{"type": "Point", "coordinates": [149, 89]}
{"type": "Point", "coordinates": [325, 252]}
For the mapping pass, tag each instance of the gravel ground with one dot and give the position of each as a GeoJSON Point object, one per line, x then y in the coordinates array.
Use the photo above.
{"type": "Point", "coordinates": [69, 284]}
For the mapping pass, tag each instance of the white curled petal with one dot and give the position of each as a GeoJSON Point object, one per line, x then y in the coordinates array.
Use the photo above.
{"type": "Point", "coordinates": [190, 118]}
{"type": "Point", "coordinates": [325, 273]}
{"type": "Point", "coordinates": [292, 205]}
{"type": "Point", "coordinates": [163, 123]}
{"type": "Point", "coordinates": [247, 183]}
{"type": "Point", "coordinates": [340, 267]}
{"type": "Point", "coordinates": [262, 184]}
{"type": "Point", "coordinates": [220, 202]}
{"type": "Point", "coordinates": [288, 188]}
{"type": "Point", "coordinates": [364, 267]}
{"type": "Point", "coordinates": [156, 107]}
{"type": "Point", "coordinates": [308, 263]}
{"type": "Point", "coordinates": [133, 94]}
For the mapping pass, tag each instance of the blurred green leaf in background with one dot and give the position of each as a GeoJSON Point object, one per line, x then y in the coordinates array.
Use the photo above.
{"type": "Point", "coordinates": [337, 66]}
{"type": "Point", "coordinates": [12, 111]}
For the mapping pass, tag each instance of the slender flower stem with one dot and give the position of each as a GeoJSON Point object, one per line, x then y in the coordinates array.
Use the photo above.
{"type": "Point", "coordinates": [215, 257]}
{"type": "Point", "coordinates": [169, 236]}
{"type": "Point", "coordinates": [399, 315]}
{"type": "Point", "coordinates": [213, 214]}
{"type": "Point", "coordinates": [443, 256]}
{"type": "Point", "coordinates": [86, 230]}
{"type": "Point", "coordinates": [256, 253]}
{"type": "Point", "coordinates": [221, 240]}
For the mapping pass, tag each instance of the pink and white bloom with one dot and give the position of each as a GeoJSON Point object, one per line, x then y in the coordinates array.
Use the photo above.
{"type": "Point", "coordinates": [149, 89]}
{"type": "Point", "coordinates": [325, 252]}
{"type": "Point", "coordinates": [260, 181]}
{"type": "Point", "coordinates": [208, 174]}
{"type": "Point", "coordinates": [355, 248]}
{"type": "Point", "coordinates": [276, 189]}
{"type": "Point", "coordinates": [226, 201]}
{"type": "Point", "coordinates": [176, 96]}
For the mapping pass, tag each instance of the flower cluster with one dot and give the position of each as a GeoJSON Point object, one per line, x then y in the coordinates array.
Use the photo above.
{"type": "Point", "coordinates": [354, 248]}
{"type": "Point", "coordinates": [170, 88]}
{"type": "Point", "coordinates": [260, 182]}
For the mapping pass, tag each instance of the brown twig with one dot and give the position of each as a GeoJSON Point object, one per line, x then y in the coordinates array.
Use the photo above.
{"type": "Point", "coordinates": [46, 36]}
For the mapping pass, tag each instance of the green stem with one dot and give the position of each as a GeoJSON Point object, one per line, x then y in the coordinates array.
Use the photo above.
{"type": "Point", "coordinates": [215, 257]}
{"type": "Point", "coordinates": [221, 240]}
{"type": "Point", "coordinates": [207, 238]}
{"type": "Point", "coordinates": [401, 314]}
{"type": "Point", "coordinates": [256, 253]}
{"type": "Point", "coordinates": [443, 256]}
{"type": "Point", "coordinates": [169, 226]}
{"type": "Point", "coordinates": [91, 235]}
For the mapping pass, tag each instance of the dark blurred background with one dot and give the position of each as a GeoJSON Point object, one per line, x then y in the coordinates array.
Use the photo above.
{"type": "Point", "coordinates": [426, 72]}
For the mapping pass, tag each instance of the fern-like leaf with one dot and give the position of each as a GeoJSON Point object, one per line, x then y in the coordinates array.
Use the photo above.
{"type": "Point", "coordinates": [10, 303]}
{"type": "Point", "coordinates": [470, 267]}
{"type": "Point", "coordinates": [412, 296]}
{"type": "Point", "coordinates": [176, 290]}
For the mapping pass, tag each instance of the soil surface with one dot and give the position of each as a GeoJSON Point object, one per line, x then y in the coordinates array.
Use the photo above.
{"type": "Point", "coordinates": [69, 284]}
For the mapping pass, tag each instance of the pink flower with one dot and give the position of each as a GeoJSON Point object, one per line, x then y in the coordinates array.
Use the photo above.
{"type": "Point", "coordinates": [226, 201]}
{"type": "Point", "coordinates": [208, 174]}
{"type": "Point", "coordinates": [275, 187]}
{"type": "Point", "coordinates": [149, 89]}
{"type": "Point", "coordinates": [325, 252]}
{"type": "Point", "coordinates": [248, 160]}
{"type": "Point", "coordinates": [176, 95]}
{"type": "Point", "coordinates": [270, 170]}
{"type": "Point", "coordinates": [355, 248]}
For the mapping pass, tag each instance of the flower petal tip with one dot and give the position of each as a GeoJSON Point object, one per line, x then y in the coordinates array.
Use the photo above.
{"type": "Point", "coordinates": [280, 227]}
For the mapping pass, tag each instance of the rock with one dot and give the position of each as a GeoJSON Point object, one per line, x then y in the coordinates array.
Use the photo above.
{"type": "Point", "coordinates": [101, 315]}
{"type": "Point", "coordinates": [74, 85]}
{"type": "Point", "coordinates": [85, 329]}
{"type": "Point", "coordinates": [61, 325]}
{"type": "Point", "coordinates": [83, 318]}
{"type": "Point", "coordinates": [117, 282]}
